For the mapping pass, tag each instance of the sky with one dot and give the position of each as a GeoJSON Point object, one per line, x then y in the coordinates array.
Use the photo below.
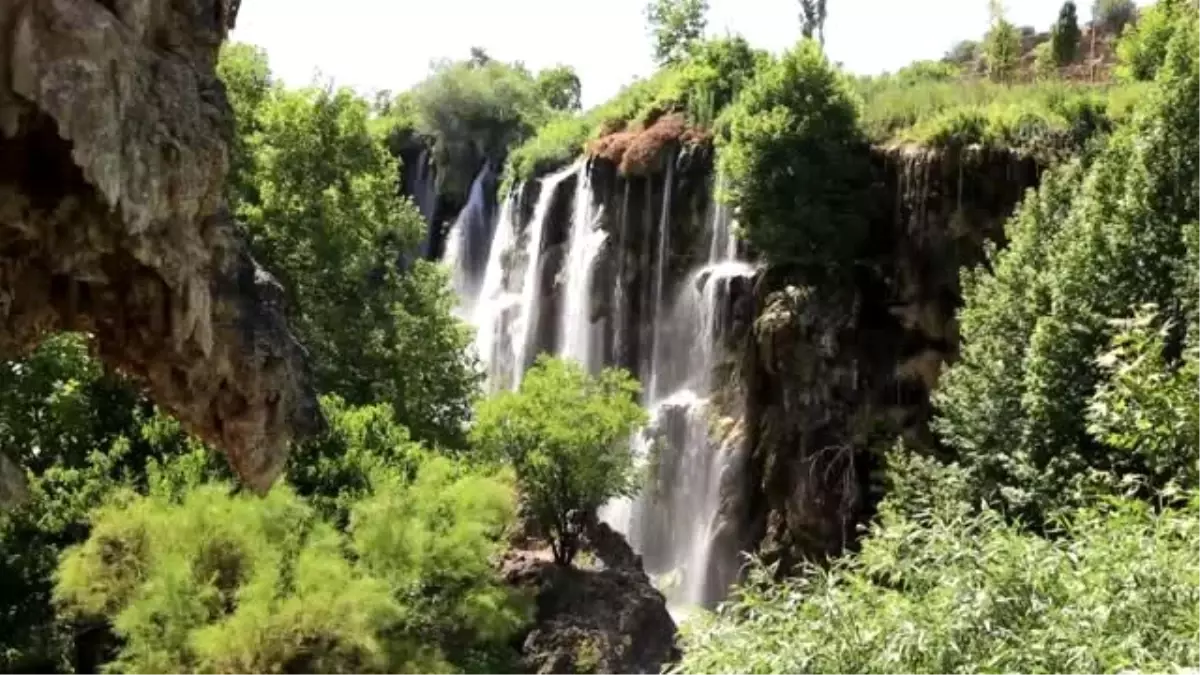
{"type": "Point", "coordinates": [373, 45]}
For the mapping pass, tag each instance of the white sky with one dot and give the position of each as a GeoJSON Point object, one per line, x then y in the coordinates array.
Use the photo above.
{"type": "Point", "coordinates": [389, 44]}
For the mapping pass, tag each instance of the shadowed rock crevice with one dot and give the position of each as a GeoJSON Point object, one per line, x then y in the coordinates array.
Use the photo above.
{"type": "Point", "coordinates": [113, 152]}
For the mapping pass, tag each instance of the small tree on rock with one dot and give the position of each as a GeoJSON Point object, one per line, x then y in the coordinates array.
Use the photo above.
{"type": "Point", "coordinates": [567, 435]}
{"type": "Point", "coordinates": [1064, 37]}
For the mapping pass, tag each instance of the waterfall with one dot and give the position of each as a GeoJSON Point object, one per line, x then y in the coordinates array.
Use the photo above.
{"type": "Point", "coordinates": [468, 243]}
{"type": "Point", "coordinates": [586, 239]}
{"type": "Point", "coordinates": [494, 303]}
{"type": "Point", "coordinates": [675, 323]}
{"type": "Point", "coordinates": [421, 183]}
{"type": "Point", "coordinates": [673, 522]}
{"type": "Point", "coordinates": [507, 311]}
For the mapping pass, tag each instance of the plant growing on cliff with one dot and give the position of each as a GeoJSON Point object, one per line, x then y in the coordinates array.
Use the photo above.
{"type": "Point", "coordinates": [796, 164]}
{"type": "Point", "coordinates": [675, 25]}
{"type": "Point", "coordinates": [567, 435]}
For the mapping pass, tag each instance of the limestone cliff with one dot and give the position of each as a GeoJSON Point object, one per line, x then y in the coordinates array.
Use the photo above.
{"type": "Point", "coordinates": [832, 377]}
{"type": "Point", "coordinates": [114, 134]}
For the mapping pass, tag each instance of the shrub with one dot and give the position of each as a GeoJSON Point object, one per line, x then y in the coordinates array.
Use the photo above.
{"type": "Point", "coordinates": [567, 435]}
{"type": "Point", "coordinates": [216, 582]}
{"type": "Point", "coordinates": [1001, 47]}
{"type": "Point", "coordinates": [937, 588]}
{"type": "Point", "coordinates": [1143, 48]}
{"type": "Point", "coordinates": [796, 164]}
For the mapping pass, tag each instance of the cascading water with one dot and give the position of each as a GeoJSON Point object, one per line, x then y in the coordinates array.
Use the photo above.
{"type": "Point", "coordinates": [507, 318]}
{"type": "Point", "coordinates": [680, 324]}
{"type": "Point", "coordinates": [575, 326]}
{"type": "Point", "coordinates": [468, 243]}
{"type": "Point", "coordinates": [673, 522]}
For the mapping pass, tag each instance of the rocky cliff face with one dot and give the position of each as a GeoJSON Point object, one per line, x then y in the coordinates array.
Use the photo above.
{"type": "Point", "coordinates": [832, 378]}
{"type": "Point", "coordinates": [113, 152]}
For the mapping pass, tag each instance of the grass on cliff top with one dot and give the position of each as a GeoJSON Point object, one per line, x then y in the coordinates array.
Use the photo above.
{"type": "Point", "coordinates": [1050, 116]}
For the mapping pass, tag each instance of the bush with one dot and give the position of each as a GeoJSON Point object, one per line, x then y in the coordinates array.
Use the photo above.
{"type": "Point", "coordinates": [1143, 48]}
{"type": "Point", "coordinates": [937, 588]}
{"type": "Point", "coordinates": [1001, 47]}
{"type": "Point", "coordinates": [796, 165]}
{"type": "Point", "coordinates": [568, 437]}
{"type": "Point", "coordinates": [217, 582]}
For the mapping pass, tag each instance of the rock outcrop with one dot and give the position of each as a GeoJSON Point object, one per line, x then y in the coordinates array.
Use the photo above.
{"type": "Point", "coordinates": [114, 135]}
{"type": "Point", "coordinates": [833, 376]}
{"type": "Point", "coordinates": [601, 615]}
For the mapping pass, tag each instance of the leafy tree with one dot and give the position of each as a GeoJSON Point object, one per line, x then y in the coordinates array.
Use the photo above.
{"type": "Point", "coordinates": [812, 19]}
{"type": "Point", "coordinates": [244, 71]}
{"type": "Point", "coordinates": [568, 437]}
{"type": "Point", "coordinates": [795, 124]}
{"type": "Point", "coordinates": [479, 57]}
{"type": "Point", "coordinates": [559, 87]}
{"type": "Point", "coordinates": [1113, 15]}
{"type": "Point", "coordinates": [1045, 64]}
{"type": "Point", "coordinates": [1064, 36]}
{"type": "Point", "coordinates": [963, 51]}
{"type": "Point", "coordinates": [472, 111]}
{"type": "Point", "coordinates": [1093, 244]}
{"type": "Point", "coordinates": [322, 213]}
{"type": "Point", "coordinates": [675, 26]}
{"type": "Point", "coordinates": [1001, 48]}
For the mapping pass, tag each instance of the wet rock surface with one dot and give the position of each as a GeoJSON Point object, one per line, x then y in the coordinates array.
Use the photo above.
{"type": "Point", "coordinates": [114, 135]}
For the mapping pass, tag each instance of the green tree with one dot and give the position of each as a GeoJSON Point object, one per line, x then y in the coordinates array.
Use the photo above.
{"type": "Point", "coordinates": [568, 437]}
{"type": "Point", "coordinates": [560, 88]}
{"type": "Point", "coordinates": [1001, 48]}
{"type": "Point", "coordinates": [1064, 36]}
{"type": "Point", "coordinates": [795, 161]}
{"type": "Point", "coordinates": [812, 19]}
{"type": "Point", "coordinates": [1113, 15]}
{"type": "Point", "coordinates": [322, 214]}
{"type": "Point", "coordinates": [675, 25]}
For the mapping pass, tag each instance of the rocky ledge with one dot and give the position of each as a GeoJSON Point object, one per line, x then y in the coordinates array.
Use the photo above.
{"type": "Point", "coordinates": [114, 136]}
{"type": "Point", "coordinates": [601, 615]}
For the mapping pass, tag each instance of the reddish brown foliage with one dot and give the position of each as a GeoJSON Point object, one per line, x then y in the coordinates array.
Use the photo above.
{"type": "Point", "coordinates": [639, 150]}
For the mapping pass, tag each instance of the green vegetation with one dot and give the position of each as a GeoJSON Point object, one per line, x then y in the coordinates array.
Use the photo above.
{"type": "Point", "coordinates": [568, 437]}
{"type": "Point", "coordinates": [796, 124]}
{"type": "Point", "coordinates": [1114, 15]}
{"type": "Point", "coordinates": [940, 588]}
{"type": "Point", "coordinates": [812, 19]}
{"type": "Point", "coordinates": [1095, 243]}
{"type": "Point", "coordinates": [675, 25]}
{"type": "Point", "coordinates": [1064, 37]}
{"type": "Point", "coordinates": [1001, 45]}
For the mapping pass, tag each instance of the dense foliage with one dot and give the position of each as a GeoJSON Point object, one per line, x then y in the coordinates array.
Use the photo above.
{"type": "Point", "coordinates": [1095, 243]}
{"type": "Point", "coordinates": [794, 125]}
{"type": "Point", "coordinates": [940, 588]}
{"type": "Point", "coordinates": [1064, 36]}
{"type": "Point", "coordinates": [568, 436]}
{"type": "Point", "coordinates": [214, 582]}
{"type": "Point", "coordinates": [322, 213]}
